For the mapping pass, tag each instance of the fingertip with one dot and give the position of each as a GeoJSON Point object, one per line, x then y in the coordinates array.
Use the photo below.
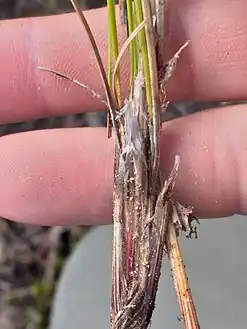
{"type": "Point", "coordinates": [212, 174]}
{"type": "Point", "coordinates": [56, 177]}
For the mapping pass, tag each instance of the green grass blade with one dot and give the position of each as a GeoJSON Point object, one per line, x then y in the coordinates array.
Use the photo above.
{"type": "Point", "coordinates": [113, 47]}
{"type": "Point", "coordinates": [131, 26]}
{"type": "Point", "coordinates": [144, 53]}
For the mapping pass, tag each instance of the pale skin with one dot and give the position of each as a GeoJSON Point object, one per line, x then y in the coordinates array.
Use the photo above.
{"type": "Point", "coordinates": [65, 176]}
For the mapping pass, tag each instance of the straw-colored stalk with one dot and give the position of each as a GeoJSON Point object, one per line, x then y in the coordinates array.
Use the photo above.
{"type": "Point", "coordinates": [185, 300]}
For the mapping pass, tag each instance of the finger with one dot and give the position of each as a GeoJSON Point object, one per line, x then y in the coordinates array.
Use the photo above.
{"type": "Point", "coordinates": [65, 176]}
{"type": "Point", "coordinates": [212, 67]}
{"type": "Point", "coordinates": [213, 150]}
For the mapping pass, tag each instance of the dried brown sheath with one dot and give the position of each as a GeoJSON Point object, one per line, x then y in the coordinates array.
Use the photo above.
{"type": "Point", "coordinates": [145, 217]}
{"type": "Point", "coordinates": [141, 204]}
{"type": "Point", "coordinates": [142, 207]}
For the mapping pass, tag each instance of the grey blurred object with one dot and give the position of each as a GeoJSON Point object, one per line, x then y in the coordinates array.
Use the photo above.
{"type": "Point", "coordinates": [26, 8]}
{"type": "Point", "coordinates": [216, 265]}
{"type": "Point", "coordinates": [69, 121]}
{"type": "Point", "coordinates": [95, 119]}
{"type": "Point", "coordinates": [177, 110]}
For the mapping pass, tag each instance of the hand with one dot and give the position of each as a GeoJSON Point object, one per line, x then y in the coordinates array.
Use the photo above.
{"type": "Point", "coordinates": [65, 176]}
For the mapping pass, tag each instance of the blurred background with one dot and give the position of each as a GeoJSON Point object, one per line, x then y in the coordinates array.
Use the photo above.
{"type": "Point", "coordinates": [31, 257]}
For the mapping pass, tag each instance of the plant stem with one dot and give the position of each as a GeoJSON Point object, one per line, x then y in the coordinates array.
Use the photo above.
{"type": "Point", "coordinates": [131, 27]}
{"type": "Point", "coordinates": [185, 299]}
{"type": "Point", "coordinates": [113, 49]}
{"type": "Point", "coordinates": [144, 53]}
{"type": "Point", "coordinates": [145, 217]}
